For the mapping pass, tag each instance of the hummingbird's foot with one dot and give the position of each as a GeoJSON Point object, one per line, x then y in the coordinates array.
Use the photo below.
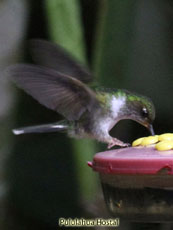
{"type": "Point", "coordinates": [116, 142]}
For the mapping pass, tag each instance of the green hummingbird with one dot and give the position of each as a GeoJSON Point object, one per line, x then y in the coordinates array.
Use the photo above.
{"type": "Point", "coordinates": [60, 83]}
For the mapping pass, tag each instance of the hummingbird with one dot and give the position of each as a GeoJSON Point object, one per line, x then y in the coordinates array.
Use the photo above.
{"type": "Point", "coordinates": [59, 82]}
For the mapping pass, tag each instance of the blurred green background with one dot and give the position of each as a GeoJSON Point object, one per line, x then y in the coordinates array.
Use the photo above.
{"type": "Point", "coordinates": [126, 44]}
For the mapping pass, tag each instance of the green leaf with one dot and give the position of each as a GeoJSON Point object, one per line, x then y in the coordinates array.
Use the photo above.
{"type": "Point", "coordinates": [113, 41]}
{"type": "Point", "coordinates": [65, 28]}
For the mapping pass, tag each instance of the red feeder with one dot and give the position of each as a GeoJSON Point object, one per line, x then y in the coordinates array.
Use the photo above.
{"type": "Point", "coordinates": [137, 183]}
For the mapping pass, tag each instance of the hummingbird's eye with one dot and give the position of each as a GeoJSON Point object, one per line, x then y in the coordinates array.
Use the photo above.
{"type": "Point", "coordinates": [144, 112]}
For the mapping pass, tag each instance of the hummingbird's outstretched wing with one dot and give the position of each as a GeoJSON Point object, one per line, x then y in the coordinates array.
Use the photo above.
{"type": "Point", "coordinates": [53, 56]}
{"type": "Point", "coordinates": [66, 95]}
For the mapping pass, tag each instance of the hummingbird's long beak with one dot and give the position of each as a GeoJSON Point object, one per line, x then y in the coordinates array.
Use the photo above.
{"type": "Point", "coordinates": [150, 128]}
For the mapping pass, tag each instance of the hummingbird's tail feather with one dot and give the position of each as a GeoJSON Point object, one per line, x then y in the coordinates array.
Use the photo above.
{"type": "Point", "coordinates": [60, 126]}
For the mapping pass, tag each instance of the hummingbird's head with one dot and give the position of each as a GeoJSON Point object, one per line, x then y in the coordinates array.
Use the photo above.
{"type": "Point", "coordinates": [141, 110]}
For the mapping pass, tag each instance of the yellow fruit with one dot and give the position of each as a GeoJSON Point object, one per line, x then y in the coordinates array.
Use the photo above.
{"type": "Point", "coordinates": [150, 140]}
{"type": "Point", "coordinates": [137, 142]}
{"type": "Point", "coordinates": [166, 136]}
{"type": "Point", "coordinates": [161, 142]}
{"type": "Point", "coordinates": [164, 145]}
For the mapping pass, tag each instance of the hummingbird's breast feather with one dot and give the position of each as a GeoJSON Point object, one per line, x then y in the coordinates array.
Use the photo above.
{"type": "Point", "coordinates": [106, 118]}
{"type": "Point", "coordinates": [98, 122]}
{"type": "Point", "coordinates": [116, 104]}
{"type": "Point", "coordinates": [110, 101]}
{"type": "Point", "coordinates": [106, 124]}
